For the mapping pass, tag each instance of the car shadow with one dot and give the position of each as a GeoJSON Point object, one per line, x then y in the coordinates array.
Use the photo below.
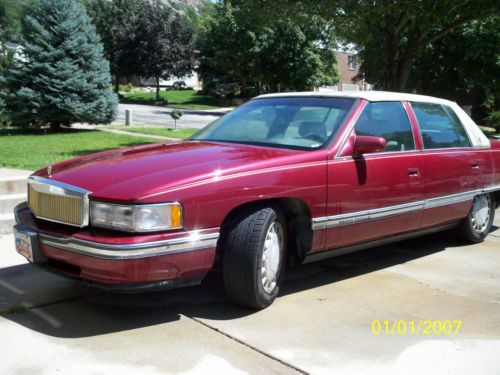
{"type": "Point", "coordinates": [90, 313]}
{"type": "Point", "coordinates": [213, 305]}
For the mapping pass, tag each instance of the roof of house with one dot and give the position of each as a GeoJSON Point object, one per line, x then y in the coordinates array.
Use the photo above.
{"type": "Point", "coordinates": [372, 96]}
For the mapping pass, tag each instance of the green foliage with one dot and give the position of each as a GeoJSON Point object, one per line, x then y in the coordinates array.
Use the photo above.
{"type": "Point", "coordinates": [10, 20]}
{"type": "Point", "coordinates": [280, 48]}
{"type": "Point", "coordinates": [289, 60]}
{"type": "Point", "coordinates": [161, 45]}
{"type": "Point", "coordinates": [114, 21]}
{"type": "Point", "coordinates": [180, 99]}
{"type": "Point", "coordinates": [64, 77]}
{"type": "Point", "coordinates": [493, 120]}
{"type": "Point", "coordinates": [463, 66]}
{"type": "Point", "coordinates": [34, 148]}
{"type": "Point", "coordinates": [391, 34]}
{"type": "Point", "coordinates": [176, 114]}
{"type": "Point", "coordinates": [127, 88]}
{"type": "Point", "coordinates": [4, 121]}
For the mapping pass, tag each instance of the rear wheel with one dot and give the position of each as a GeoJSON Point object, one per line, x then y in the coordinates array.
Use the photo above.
{"type": "Point", "coordinates": [254, 251]}
{"type": "Point", "coordinates": [476, 226]}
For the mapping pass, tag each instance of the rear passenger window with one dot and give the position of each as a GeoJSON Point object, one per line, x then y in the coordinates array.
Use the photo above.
{"type": "Point", "coordinates": [387, 120]}
{"type": "Point", "coordinates": [440, 126]}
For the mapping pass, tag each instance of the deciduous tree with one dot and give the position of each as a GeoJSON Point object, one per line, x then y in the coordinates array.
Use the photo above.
{"type": "Point", "coordinates": [279, 46]}
{"type": "Point", "coordinates": [391, 34]}
{"type": "Point", "coordinates": [161, 45]}
{"type": "Point", "coordinates": [114, 21]}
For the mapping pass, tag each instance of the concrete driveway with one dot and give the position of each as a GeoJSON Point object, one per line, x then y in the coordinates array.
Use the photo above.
{"type": "Point", "coordinates": [160, 116]}
{"type": "Point", "coordinates": [320, 324]}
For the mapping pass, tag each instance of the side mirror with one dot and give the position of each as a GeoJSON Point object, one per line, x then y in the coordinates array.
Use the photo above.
{"type": "Point", "coordinates": [367, 145]}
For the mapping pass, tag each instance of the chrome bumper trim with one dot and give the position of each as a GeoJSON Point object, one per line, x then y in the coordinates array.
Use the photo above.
{"type": "Point", "coordinates": [192, 242]}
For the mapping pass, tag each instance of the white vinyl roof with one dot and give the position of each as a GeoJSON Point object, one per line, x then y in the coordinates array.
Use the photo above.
{"type": "Point", "coordinates": [372, 96]}
{"type": "Point", "coordinates": [476, 136]}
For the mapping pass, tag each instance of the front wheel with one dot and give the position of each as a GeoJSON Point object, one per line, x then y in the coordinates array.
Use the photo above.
{"type": "Point", "coordinates": [253, 260]}
{"type": "Point", "coordinates": [476, 226]}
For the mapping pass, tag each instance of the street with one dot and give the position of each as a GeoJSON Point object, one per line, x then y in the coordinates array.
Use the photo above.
{"type": "Point", "coordinates": [321, 323]}
{"type": "Point", "coordinates": [155, 115]}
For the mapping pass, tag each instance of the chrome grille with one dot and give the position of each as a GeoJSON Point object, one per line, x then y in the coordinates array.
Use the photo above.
{"type": "Point", "coordinates": [58, 202]}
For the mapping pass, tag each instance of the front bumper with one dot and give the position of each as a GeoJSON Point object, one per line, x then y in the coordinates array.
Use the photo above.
{"type": "Point", "coordinates": [175, 259]}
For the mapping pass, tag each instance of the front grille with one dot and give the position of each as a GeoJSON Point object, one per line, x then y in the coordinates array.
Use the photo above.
{"type": "Point", "coordinates": [54, 201]}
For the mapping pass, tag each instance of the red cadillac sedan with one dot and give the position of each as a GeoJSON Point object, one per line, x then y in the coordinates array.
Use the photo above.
{"type": "Point", "coordinates": [284, 179]}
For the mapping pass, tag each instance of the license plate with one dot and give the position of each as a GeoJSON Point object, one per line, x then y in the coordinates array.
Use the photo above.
{"type": "Point", "coordinates": [23, 245]}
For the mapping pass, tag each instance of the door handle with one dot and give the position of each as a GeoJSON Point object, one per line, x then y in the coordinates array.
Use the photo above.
{"type": "Point", "coordinates": [474, 165]}
{"type": "Point", "coordinates": [414, 172]}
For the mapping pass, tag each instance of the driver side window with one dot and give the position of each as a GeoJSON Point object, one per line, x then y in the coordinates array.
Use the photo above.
{"type": "Point", "coordinates": [387, 120]}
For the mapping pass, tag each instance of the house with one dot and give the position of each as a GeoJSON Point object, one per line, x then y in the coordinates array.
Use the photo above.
{"type": "Point", "coordinates": [348, 68]}
{"type": "Point", "coordinates": [12, 49]}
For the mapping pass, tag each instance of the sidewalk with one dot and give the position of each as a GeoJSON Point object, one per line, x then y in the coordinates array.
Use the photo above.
{"type": "Point", "coordinates": [9, 173]}
{"type": "Point", "coordinates": [104, 128]}
{"type": "Point", "coordinates": [12, 192]}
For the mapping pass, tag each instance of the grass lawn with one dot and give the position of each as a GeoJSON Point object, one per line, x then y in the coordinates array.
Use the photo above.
{"type": "Point", "coordinates": [31, 149]}
{"type": "Point", "coordinates": [174, 98]}
{"type": "Point", "coordinates": [166, 132]}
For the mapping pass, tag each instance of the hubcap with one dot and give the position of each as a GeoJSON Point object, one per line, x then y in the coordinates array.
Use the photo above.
{"type": "Point", "coordinates": [271, 257]}
{"type": "Point", "coordinates": [480, 213]}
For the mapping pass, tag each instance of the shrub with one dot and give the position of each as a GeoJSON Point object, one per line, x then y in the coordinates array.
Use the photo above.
{"type": "Point", "coordinates": [3, 114]}
{"type": "Point", "coordinates": [493, 120]}
{"type": "Point", "coordinates": [179, 85]}
{"type": "Point", "coordinates": [127, 88]}
{"type": "Point", "coordinates": [176, 114]}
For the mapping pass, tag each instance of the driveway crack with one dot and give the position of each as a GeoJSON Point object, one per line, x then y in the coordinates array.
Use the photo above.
{"type": "Point", "coordinates": [233, 338]}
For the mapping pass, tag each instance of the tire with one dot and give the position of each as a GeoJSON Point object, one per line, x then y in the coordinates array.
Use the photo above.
{"type": "Point", "coordinates": [254, 257]}
{"type": "Point", "coordinates": [476, 226]}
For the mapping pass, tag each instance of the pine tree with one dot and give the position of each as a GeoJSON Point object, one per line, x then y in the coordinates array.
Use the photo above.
{"type": "Point", "coordinates": [63, 77]}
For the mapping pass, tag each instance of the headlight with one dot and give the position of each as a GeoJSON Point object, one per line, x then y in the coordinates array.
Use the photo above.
{"type": "Point", "coordinates": [136, 218]}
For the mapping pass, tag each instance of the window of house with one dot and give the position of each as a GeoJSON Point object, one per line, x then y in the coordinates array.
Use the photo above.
{"type": "Point", "coordinates": [440, 126]}
{"type": "Point", "coordinates": [389, 121]}
{"type": "Point", "coordinates": [351, 62]}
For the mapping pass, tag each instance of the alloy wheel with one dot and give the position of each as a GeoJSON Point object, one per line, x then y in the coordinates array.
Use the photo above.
{"type": "Point", "coordinates": [271, 257]}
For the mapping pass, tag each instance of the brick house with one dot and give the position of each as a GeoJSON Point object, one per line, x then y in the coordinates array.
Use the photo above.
{"type": "Point", "coordinates": [348, 68]}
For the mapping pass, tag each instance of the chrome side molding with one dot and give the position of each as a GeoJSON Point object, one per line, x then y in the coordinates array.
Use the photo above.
{"type": "Point", "coordinates": [386, 212]}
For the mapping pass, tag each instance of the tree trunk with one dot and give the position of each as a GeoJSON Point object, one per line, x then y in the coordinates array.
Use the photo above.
{"type": "Point", "coordinates": [391, 67]}
{"type": "Point", "coordinates": [244, 88]}
{"type": "Point", "coordinates": [55, 126]}
{"type": "Point", "coordinates": [117, 83]}
{"type": "Point", "coordinates": [403, 74]}
{"type": "Point", "coordinates": [157, 88]}
{"type": "Point", "coordinates": [406, 63]}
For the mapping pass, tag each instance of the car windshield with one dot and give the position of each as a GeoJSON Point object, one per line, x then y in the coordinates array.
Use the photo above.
{"type": "Point", "coordinates": [302, 123]}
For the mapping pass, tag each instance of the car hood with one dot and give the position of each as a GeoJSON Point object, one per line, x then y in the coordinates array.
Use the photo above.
{"type": "Point", "coordinates": [131, 174]}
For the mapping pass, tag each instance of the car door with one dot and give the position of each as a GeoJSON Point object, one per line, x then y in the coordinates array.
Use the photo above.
{"type": "Point", "coordinates": [376, 195]}
{"type": "Point", "coordinates": [453, 167]}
